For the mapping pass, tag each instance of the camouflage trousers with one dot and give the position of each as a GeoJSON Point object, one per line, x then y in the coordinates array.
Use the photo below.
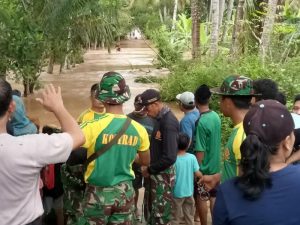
{"type": "Point", "coordinates": [108, 205]}
{"type": "Point", "coordinates": [161, 197]}
{"type": "Point", "coordinates": [74, 190]}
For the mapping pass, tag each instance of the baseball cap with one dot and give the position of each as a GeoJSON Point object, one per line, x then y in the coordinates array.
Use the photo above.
{"type": "Point", "coordinates": [235, 85]}
{"type": "Point", "coordinates": [149, 96]}
{"type": "Point", "coordinates": [270, 121]}
{"type": "Point", "coordinates": [186, 98]}
{"type": "Point", "coordinates": [113, 89]}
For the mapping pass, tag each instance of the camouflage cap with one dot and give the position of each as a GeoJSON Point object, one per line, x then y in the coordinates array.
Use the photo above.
{"type": "Point", "coordinates": [113, 89]}
{"type": "Point", "coordinates": [235, 85]}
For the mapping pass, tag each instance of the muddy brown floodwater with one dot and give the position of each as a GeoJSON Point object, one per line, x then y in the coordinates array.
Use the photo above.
{"type": "Point", "coordinates": [135, 59]}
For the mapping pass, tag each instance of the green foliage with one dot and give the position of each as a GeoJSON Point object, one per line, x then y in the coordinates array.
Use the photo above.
{"type": "Point", "coordinates": [190, 74]}
{"type": "Point", "coordinates": [148, 79]}
{"type": "Point", "coordinates": [169, 53]}
{"type": "Point", "coordinates": [187, 76]}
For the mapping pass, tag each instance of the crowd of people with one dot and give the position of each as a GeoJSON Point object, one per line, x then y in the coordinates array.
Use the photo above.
{"type": "Point", "coordinates": [90, 170]}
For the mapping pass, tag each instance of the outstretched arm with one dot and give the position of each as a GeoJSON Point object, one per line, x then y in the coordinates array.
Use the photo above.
{"type": "Point", "coordinates": [51, 100]}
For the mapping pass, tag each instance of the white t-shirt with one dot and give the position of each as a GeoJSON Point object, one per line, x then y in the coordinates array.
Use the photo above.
{"type": "Point", "coordinates": [21, 159]}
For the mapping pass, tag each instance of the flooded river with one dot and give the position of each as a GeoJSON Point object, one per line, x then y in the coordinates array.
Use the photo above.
{"type": "Point", "coordinates": [135, 59]}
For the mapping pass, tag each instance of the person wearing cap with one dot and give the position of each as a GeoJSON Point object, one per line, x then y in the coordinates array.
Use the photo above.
{"type": "Point", "coordinates": [23, 157]}
{"type": "Point", "coordinates": [140, 115]}
{"type": "Point", "coordinates": [186, 102]}
{"type": "Point", "coordinates": [163, 150]}
{"type": "Point", "coordinates": [207, 146]}
{"type": "Point", "coordinates": [109, 195]}
{"type": "Point", "coordinates": [236, 93]}
{"type": "Point", "coordinates": [96, 110]}
{"type": "Point", "coordinates": [267, 191]}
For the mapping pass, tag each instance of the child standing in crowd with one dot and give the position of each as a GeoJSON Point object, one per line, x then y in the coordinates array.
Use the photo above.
{"type": "Point", "coordinates": [186, 167]}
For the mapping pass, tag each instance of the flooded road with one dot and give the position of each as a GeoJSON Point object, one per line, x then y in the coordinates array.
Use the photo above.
{"type": "Point", "coordinates": [135, 59]}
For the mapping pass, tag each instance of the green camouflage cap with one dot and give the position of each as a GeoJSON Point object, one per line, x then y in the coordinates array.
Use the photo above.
{"type": "Point", "coordinates": [235, 85]}
{"type": "Point", "coordinates": [113, 89]}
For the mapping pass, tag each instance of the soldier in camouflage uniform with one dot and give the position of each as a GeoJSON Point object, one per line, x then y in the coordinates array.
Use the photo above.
{"type": "Point", "coordinates": [109, 194]}
{"type": "Point", "coordinates": [163, 151]}
{"type": "Point", "coordinates": [73, 191]}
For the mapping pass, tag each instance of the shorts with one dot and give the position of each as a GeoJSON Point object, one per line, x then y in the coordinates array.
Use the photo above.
{"type": "Point", "coordinates": [212, 192]}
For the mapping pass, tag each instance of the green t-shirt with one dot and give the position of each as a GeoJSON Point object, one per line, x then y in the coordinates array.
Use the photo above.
{"type": "Point", "coordinates": [115, 165]}
{"type": "Point", "coordinates": [208, 140]}
{"type": "Point", "coordinates": [232, 153]}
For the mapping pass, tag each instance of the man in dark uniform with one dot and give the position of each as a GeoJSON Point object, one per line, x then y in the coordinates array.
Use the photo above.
{"type": "Point", "coordinates": [163, 151]}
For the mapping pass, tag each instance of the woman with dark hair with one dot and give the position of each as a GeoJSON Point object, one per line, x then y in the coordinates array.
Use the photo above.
{"type": "Point", "coordinates": [267, 192]}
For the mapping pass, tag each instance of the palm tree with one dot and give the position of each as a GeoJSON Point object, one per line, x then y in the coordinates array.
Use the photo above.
{"type": "Point", "coordinates": [228, 19]}
{"type": "Point", "coordinates": [237, 29]}
{"type": "Point", "coordinates": [195, 14]}
{"type": "Point", "coordinates": [267, 29]}
{"type": "Point", "coordinates": [214, 28]}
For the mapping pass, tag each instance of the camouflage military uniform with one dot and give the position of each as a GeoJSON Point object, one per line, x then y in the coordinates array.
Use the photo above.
{"type": "Point", "coordinates": [108, 205]}
{"type": "Point", "coordinates": [161, 188]}
{"type": "Point", "coordinates": [73, 191]}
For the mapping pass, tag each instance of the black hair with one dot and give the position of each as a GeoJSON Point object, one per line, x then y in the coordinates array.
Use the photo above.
{"type": "Point", "coordinates": [281, 98]}
{"type": "Point", "coordinates": [187, 107]}
{"type": "Point", "coordinates": [266, 87]}
{"type": "Point", "coordinates": [183, 141]}
{"type": "Point", "coordinates": [297, 139]}
{"type": "Point", "coordinates": [202, 95]}
{"type": "Point", "coordinates": [5, 96]}
{"type": "Point", "coordinates": [94, 88]}
{"type": "Point", "coordinates": [16, 92]}
{"type": "Point", "coordinates": [50, 130]}
{"type": "Point", "coordinates": [240, 101]}
{"type": "Point", "coordinates": [255, 165]}
{"type": "Point", "coordinates": [297, 98]}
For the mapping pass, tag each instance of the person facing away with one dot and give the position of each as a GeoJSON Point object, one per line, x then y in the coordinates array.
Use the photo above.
{"type": "Point", "coordinates": [140, 115]}
{"type": "Point", "coordinates": [19, 123]}
{"type": "Point", "coordinates": [267, 191]}
{"type": "Point", "coordinates": [163, 150]}
{"type": "Point", "coordinates": [186, 167]}
{"type": "Point", "coordinates": [207, 146]}
{"type": "Point", "coordinates": [96, 110]}
{"type": "Point", "coordinates": [109, 195]}
{"type": "Point", "coordinates": [264, 89]}
{"type": "Point", "coordinates": [23, 157]}
{"type": "Point", "coordinates": [236, 93]}
{"type": "Point", "coordinates": [186, 101]}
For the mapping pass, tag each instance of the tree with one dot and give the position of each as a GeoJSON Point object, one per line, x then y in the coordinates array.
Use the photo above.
{"type": "Point", "coordinates": [214, 28]}
{"type": "Point", "coordinates": [228, 19]}
{"type": "Point", "coordinates": [195, 13]}
{"type": "Point", "coordinates": [267, 29]}
{"type": "Point", "coordinates": [237, 29]}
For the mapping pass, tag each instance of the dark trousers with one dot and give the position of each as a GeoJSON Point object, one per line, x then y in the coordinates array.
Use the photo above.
{"type": "Point", "coordinates": [37, 221]}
